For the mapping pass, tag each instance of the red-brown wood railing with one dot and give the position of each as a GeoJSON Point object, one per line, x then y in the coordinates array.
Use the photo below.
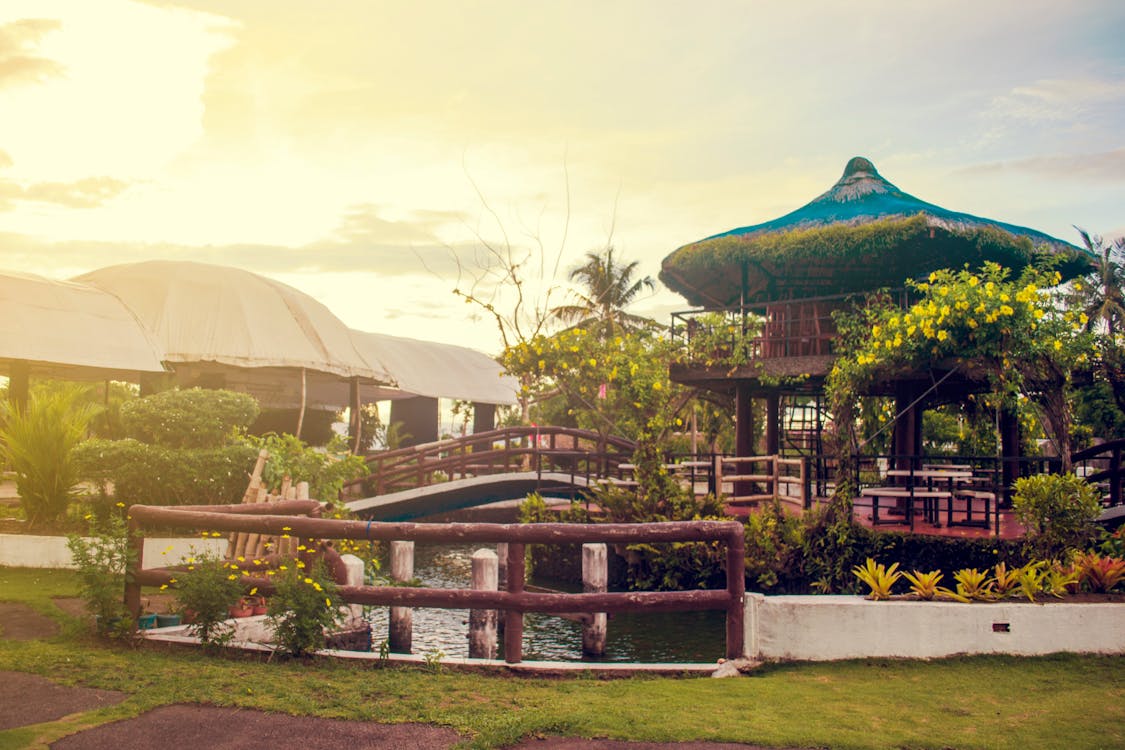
{"type": "Point", "coordinates": [507, 449]}
{"type": "Point", "coordinates": [514, 601]}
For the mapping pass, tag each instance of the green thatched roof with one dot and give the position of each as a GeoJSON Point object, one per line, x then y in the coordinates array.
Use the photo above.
{"type": "Point", "coordinates": [862, 234]}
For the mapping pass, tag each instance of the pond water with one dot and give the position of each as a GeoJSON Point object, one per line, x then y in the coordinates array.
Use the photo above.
{"type": "Point", "coordinates": [665, 637]}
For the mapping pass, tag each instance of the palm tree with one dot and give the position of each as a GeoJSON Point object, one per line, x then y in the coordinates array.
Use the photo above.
{"type": "Point", "coordinates": [608, 287]}
{"type": "Point", "coordinates": [1104, 298]}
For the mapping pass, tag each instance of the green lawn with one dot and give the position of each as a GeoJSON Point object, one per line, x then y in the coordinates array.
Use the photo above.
{"type": "Point", "coordinates": [983, 702]}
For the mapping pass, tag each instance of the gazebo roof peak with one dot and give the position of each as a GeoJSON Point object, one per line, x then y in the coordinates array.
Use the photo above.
{"type": "Point", "coordinates": [861, 234]}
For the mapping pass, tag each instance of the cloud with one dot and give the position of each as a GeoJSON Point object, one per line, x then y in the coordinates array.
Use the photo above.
{"type": "Point", "coordinates": [1057, 99]}
{"type": "Point", "coordinates": [1105, 166]}
{"type": "Point", "coordinates": [89, 192]}
{"type": "Point", "coordinates": [18, 61]}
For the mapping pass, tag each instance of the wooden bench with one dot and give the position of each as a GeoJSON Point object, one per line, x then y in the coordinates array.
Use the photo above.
{"type": "Point", "coordinates": [929, 499]}
{"type": "Point", "coordinates": [969, 496]}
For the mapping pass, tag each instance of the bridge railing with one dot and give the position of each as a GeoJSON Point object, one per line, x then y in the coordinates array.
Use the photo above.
{"type": "Point", "coordinates": [514, 601]}
{"type": "Point", "coordinates": [525, 448]}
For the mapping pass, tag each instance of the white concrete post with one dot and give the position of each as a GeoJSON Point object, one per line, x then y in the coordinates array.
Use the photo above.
{"type": "Point", "coordinates": [482, 622]}
{"type": "Point", "coordinates": [595, 576]}
{"type": "Point", "coordinates": [402, 618]}
{"type": "Point", "coordinates": [354, 567]}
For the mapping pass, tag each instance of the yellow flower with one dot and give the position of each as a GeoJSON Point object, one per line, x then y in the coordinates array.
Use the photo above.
{"type": "Point", "coordinates": [308, 581]}
{"type": "Point", "coordinates": [232, 577]}
{"type": "Point", "coordinates": [656, 386]}
{"type": "Point", "coordinates": [120, 504]}
{"type": "Point", "coordinates": [1058, 345]}
{"type": "Point", "coordinates": [327, 602]}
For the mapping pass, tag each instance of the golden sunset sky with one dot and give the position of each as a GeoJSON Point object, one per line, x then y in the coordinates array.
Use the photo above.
{"type": "Point", "coordinates": [354, 149]}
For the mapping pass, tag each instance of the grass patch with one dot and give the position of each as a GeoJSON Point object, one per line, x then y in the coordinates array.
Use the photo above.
{"type": "Point", "coordinates": [981, 702]}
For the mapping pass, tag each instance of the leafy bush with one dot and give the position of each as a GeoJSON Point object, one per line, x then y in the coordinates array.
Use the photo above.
{"type": "Point", "coordinates": [157, 475]}
{"type": "Point", "coordinates": [1059, 512]}
{"type": "Point", "coordinates": [104, 559]}
{"type": "Point", "coordinates": [206, 592]}
{"type": "Point", "coordinates": [38, 444]}
{"type": "Point", "coordinates": [192, 418]}
{"type": "Point", "coordinates": [302, 606]}
{"type": "Point", "coordinates": [324, 470]}
{"type": "Point", "coordinates": [774, 541]}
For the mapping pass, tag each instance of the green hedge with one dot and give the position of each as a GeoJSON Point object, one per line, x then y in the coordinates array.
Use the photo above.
{"type": "Point", "coordinates": [157, 475]}
{"type": "Point", "coordinates": [192, 418]}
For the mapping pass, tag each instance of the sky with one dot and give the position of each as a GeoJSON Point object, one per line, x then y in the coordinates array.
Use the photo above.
{"type": "Point", "coordinates": [371, 153]}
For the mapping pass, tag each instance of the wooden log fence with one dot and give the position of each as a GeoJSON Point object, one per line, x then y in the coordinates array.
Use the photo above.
{"type": "Point", "coordinates": [514, 601]}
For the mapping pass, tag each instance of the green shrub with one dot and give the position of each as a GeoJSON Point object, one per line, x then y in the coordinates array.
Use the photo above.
{"type": "Point", "coordinates": [206, 591]}
{"type": "Point", "coordinates": [192, 418]}
{"type": "Point", "coordinates": [104, 558]}
{"type": "Point", "coordinates": [325, 470]}
{"type": "Point", "coordinates": [156, 475]}
{"type": "Point", "coordinates": [1059, 512]}
{"type": "Point", "coordinates": [38, 444]}
{"type": "Point", "coordinates": [774, 543]}
{"type": "Point", "coordinates": [302, 606]}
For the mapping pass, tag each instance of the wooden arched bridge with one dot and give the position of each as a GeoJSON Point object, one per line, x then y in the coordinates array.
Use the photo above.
{"type": "Point", "coordinates": [510, 462]}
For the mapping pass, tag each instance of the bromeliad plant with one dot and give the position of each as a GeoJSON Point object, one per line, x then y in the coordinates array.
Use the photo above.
{"type": "Point", "coordinates": [925, 585]}
{"type": "Point", "coordinates": [1100, 574]}
{"type": "Point", "coordinates": [878, 578]}
{"type": "Point", "coordinates": [974, 585]}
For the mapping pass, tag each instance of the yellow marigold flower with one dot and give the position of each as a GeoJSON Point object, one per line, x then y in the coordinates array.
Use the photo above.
{"type": "Point", "coordinates": [656, 386]}
{"type": "Point", "coordinates": [241, 558]}
{"type": "Point", "coordinates": [910, 331]}
{"type": "Point", "coordinates": [327, 602]}
{"type": "Point", "coordinates": [973, 281]}
{"type": "Point", "coordinates": [300, 564]}
{"type": "Point", "coordinates": [309, 581]}
{"type": "Point", "coordinates": [163, 587]}
{"type": "Point", "coordinates": [876, 329]}
{"type": "Point", "coordinates": [253, 591]}
{"type": "Point", "coordinates": [972, 323]}
{"type": "Point", "coordinates": [1006, 310]}
{"type": "Point", "coordinates": [1083, 318]}
{"type": "Point", "coordinates": [1058, 345]}
{"type": "Point", "coordinates": [232, 577]}
{"type": "Point", "coordinates": [283, 567]}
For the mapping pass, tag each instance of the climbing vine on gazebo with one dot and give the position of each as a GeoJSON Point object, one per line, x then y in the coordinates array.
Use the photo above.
{"type": "Point", "coordinates": [1007, 332]}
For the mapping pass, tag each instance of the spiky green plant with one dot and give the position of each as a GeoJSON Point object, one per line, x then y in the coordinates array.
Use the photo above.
{"type": "Point", "coordinates": [37, 444]}
{"type": "Point", "coordinates": [879, 578]}
{"type": "Point", "coordinates": [925, 585]}
{"type": "Point", "coordinates": [974, 584]}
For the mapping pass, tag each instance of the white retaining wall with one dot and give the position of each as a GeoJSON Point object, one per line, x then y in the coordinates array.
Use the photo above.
{"type": "Point", "coordinates": [29, 551]}
{"type": "Point", "coordinates": [822, 628]}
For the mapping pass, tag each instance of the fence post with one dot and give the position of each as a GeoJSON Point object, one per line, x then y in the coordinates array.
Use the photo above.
{"type": "Point", "coordinates": [502, 557]}
{"type": "Point", "coordinates": [402, 618]}
{"type": "Point", "coordinates": [513, 619]}
{"type": "Point", "coordinates": [736, 589]}
{"type": "Point", "coordinates": [132, 594]}
{"type": "Point", "coordinates": [482, 622]}
{"type": "Point", "coordinates": [595, 575]}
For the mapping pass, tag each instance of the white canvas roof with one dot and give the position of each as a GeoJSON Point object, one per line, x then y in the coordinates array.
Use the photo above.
{"type": "Point", "coordinates": [427, 368]}
{"type": "Point", "coordinates": [67, 330]}
{"type": "Point", "coordinates": [206, 313]}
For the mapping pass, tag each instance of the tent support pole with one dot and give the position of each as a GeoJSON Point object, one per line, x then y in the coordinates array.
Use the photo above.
{"type": "Point", "coordinates": [304, 398]}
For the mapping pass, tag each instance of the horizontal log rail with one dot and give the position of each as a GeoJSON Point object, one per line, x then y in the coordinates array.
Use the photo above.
{"type": "Point", "coordinates": [514, 601]}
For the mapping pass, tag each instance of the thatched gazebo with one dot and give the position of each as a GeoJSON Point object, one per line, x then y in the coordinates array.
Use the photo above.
{"type": "Point", "coordinates": [789, 275]}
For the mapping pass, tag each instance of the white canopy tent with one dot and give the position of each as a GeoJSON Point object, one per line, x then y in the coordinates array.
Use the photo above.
{"type": "Point", "coordinates": [434, 370]}
{"type": "Point", "coordinates": [230, 328]}
{"type": "Point", "coordinates": [65, 330]}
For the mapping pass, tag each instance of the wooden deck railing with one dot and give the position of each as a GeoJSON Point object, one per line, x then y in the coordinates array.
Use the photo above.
{"type": "Point", "coordinates": [1104, 467]}
{"type": "Point", "coordinates": [514, 601]}
{"type": "Point", "coordinates": [756, 479]}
